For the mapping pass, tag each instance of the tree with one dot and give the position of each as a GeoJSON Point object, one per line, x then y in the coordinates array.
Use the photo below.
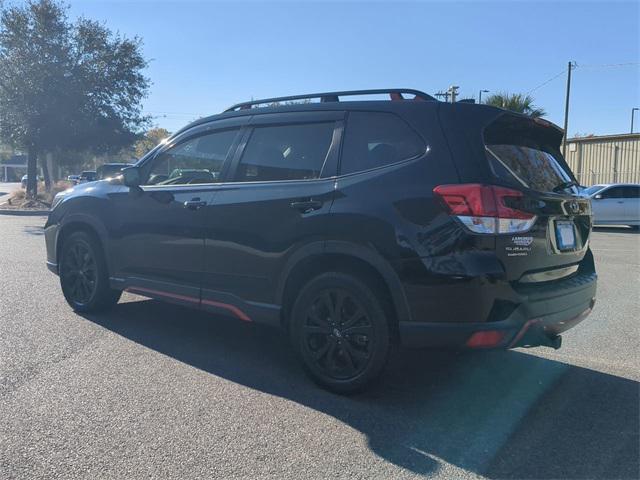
{"type": "Point", "coordinates": [516, 102]}
{"type": "Point", "coordinates": [151, 138]}
{"type": "Point", "coordinates": [67, 86]}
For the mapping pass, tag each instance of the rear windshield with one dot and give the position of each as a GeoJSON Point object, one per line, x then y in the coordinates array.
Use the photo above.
{"type": "Point", "coordinates": [526, 165]}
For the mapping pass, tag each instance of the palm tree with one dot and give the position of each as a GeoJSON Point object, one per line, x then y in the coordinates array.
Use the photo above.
{"type": "Point", "coordinates": [516, 102]}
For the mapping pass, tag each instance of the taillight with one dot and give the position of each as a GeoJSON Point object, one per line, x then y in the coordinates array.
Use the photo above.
{"type": "Point", "coordinates": [485, 208]}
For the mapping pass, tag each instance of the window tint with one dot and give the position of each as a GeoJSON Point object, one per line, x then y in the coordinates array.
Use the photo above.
{"type": "Point", "coordinates": [615, 192]}
{"type": "Point", "coordinates": [532, 167]}
{"type": "Point", "coordinates": [197, 160]}
{"type": "Point", "coordinates": [286, 152]}
{"type": "Point", "coordinates": [377, 139]}
{"type": "Point", "coordinates": [631, 192]}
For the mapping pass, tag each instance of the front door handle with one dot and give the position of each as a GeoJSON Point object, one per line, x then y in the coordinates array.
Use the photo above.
{"type": "Point", "coordinates": [194, 204]}
{"type": "Point", "coordinates": [306, 206]}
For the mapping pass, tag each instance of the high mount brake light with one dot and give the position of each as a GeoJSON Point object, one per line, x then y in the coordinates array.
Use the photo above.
{"type": "Point", "coordinates": [485, 208]}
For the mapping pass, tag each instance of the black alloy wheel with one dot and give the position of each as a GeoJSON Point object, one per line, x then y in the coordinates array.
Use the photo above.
{"type": "Point", "coordinates": [84, 276]}
{"type": "Point", "coordinates": [339, 335]}
{"type": "Point", "coordinates": [340, 331]}
{"type": "Point", "coordinates": [79, 273]}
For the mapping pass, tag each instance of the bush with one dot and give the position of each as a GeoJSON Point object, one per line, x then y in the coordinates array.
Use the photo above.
{"type": "Point", "coordinates": [44, 199]}
{"type": "Point", "coordinates": [17, 196]}
{"type": "Point", "coordinates": [60, 186]}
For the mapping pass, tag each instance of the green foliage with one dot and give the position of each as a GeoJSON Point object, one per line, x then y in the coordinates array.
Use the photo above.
{"type": "Point", "coordinates": [67, 85]}
{"type": "Point", "coordinates": [516, 102]}
{"type": "Point", "coordinates": [151, 138]}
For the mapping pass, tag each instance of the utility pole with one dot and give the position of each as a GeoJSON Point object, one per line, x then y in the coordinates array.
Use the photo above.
{"type": "Point", "coordinates": [633, 110]}
{"type": "Point", "coordinates": [452, 92]}
{"type": "Point", "coordinates": [443, 94]}
{"type": "Point", "coordinates": [480, 95]}
{"type": "Point", "coordinates": [571, 66]}
{"type": "Point", "coordinates": [453, 89]}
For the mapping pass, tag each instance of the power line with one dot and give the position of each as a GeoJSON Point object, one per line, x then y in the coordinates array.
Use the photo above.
{"type": "Point", "coordinates": [547, 81]}
{"type": "Point", "coordinates": [603, 65]}
{"type": "Point", "coordinates": [607, 65]}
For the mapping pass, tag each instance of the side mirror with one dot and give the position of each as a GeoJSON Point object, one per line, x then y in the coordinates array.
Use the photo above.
{"type": "Point", "coordinates": [598, 197]}
{"type": "Point", "coordinates": [131, 176]}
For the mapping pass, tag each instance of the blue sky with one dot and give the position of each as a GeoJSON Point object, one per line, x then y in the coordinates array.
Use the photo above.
{"type": "Point", "coordinates": [208, 55]}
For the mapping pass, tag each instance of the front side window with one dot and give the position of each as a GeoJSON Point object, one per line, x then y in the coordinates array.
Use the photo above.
{"type": "Point", "coordinates": [285, 152]}
{"type": "Point", "coordinates": [593, 189]}
{"type": "Point", "coordinates": [615, 192]}
{"type": "Point", "coordinates": [375, 139]}
{"type": "Point", "coordinates": [196, 160]}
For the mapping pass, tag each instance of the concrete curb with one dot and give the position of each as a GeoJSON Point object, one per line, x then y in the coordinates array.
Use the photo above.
{"type": "Point", "coordinates": [24, 213]}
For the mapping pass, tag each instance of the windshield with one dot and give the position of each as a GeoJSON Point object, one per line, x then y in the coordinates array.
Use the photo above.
{"type": "Point", "coordinates": [106, 171]}
{"type": "Point", "coordinates": [593, 189]}
{"type": "Point", "coordinates": [532, 167]}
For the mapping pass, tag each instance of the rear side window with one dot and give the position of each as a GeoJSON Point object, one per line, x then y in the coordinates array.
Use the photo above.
{"type": "Point", "coordinates": [527, 165]}
{"type": "Point", "coordinates": [285, 152]}
{"type": "Point", "coordinates": [377, 139]}
{"type": "Point", "coordinates": [631, 192]}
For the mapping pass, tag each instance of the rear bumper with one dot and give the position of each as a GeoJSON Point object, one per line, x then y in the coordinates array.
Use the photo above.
{"type": "Point", "coordinates": [542, 315]}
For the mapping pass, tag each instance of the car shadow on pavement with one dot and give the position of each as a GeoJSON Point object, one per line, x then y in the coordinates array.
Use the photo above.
{"type": "Point", "coordinates": [498, 414]}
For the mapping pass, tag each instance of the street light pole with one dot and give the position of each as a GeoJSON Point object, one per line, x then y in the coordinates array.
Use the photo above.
{"type": "Point", "coordinates": [480, 95]}
{"type": "Point", "coordinates": [633, 110]}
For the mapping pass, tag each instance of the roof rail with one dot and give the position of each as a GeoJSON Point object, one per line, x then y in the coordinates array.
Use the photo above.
{"type": "Point", "coordinates": [394, 94]}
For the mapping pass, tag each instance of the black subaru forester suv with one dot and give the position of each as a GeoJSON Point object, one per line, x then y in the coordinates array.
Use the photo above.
{"type": "Point", "coordinates": [352, 225]}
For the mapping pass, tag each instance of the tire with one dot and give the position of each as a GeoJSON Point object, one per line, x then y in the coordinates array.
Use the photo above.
{"type": "Point", "coordinates": [340, 332]}
{"type": "Point", "coordinates": [84, 276]}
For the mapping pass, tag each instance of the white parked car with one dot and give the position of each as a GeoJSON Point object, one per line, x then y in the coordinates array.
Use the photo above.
{"type": "Point", "coordinates": [615, 203]}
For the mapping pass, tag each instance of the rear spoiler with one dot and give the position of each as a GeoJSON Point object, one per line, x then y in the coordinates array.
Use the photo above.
{"type": "Point", "coordinates": [509, 124]}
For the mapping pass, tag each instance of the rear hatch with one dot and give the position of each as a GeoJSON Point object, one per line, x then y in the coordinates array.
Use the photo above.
{"type": "Point", "coordinates": [524, 154]}
{"type": "Point", "coordinates": [517, 187]}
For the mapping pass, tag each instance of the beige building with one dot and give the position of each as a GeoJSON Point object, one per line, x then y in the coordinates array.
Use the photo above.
{"type": "Point", "coordinates": [605, 159]}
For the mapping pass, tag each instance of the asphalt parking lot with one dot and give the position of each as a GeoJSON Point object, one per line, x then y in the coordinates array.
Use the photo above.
{"type": "Point", "coordinates": [151, 390]}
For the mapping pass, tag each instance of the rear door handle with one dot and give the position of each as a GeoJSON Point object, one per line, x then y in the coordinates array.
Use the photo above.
{"type": "Point", "coordinates": [306, 206]}
{"type": "Point", "coordinates": [194, 204]}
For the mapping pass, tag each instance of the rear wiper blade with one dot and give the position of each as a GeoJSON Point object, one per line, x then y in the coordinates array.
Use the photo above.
{"type": "Point", "coordinates": [565, 185]}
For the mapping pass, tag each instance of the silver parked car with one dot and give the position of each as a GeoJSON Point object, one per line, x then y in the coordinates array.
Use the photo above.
{"type": "Point", "coordinates": [615, 203]}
